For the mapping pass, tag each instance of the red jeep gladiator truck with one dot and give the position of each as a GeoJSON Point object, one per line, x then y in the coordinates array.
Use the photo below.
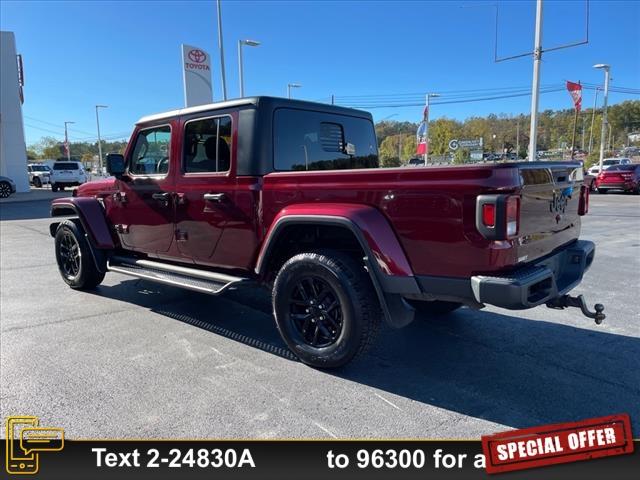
{"type": "Point", "coordinates": [289, 194]}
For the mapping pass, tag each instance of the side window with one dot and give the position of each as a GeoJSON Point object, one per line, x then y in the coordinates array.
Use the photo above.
{"type": "Point", "coordinates": [151, 152]}
{"type": "Point", "coordinates": [207, 145]}
{"type": "Point", "coordinates": [307, 140]}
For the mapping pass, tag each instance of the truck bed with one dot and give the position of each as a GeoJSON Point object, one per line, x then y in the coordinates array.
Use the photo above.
{"type": "Point", "coordinates": [433, 209]}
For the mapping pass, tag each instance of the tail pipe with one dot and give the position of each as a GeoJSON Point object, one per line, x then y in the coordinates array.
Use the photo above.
{"type": "Point", "coordinates": [565, 301]}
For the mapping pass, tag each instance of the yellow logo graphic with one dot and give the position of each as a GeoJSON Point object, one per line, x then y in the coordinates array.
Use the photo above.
{"type": "Point", "coordinates": [25, 441]}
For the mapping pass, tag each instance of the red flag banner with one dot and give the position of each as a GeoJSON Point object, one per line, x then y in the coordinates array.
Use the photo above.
{"type": "Point", "coordinates": [575, 90]}
{"type": "Point", "coordinates": [421, 139]}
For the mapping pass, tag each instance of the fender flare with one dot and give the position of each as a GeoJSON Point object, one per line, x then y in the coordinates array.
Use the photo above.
{"type": "Point", "coordinates": [91, 215]}
{"type": "Point", "coordinates": [386, 262]}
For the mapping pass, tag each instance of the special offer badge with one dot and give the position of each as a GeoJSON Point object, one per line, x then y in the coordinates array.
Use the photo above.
{"type": "Point", "coordinates": [560, 443]}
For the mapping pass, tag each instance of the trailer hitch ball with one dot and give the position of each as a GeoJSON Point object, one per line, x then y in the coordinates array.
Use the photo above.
{"type": "Point", "coordinates": [566, 301]}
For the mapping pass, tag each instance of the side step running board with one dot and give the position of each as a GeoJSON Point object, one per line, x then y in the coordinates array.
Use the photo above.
{"type": "Point", "coordinates": [190, 278]}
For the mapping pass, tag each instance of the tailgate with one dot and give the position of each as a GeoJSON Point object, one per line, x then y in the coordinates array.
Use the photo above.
{"type": "Point", "coordinates": [549, 208]}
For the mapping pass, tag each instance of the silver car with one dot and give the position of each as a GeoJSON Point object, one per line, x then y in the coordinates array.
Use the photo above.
{"type": "Point", "coordinates": [7, 187]}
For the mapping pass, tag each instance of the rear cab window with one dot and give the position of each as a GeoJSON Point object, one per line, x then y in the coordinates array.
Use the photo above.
{"type": "Point", "coordinates": [305, 140]}
{"type": "Point", "coordinates": [65, 166]}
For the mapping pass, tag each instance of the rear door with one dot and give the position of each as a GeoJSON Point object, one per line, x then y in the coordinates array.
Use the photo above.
{"type": "Point", "coordinates": [205, 191]}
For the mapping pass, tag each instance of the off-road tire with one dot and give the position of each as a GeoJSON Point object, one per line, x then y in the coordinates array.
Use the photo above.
{"type": "Point", "coordinates": [436, 308]}
{"type": "Point", "coordinates": [80, 273]}
{"type": "Point", "coordinates": [349, 285]}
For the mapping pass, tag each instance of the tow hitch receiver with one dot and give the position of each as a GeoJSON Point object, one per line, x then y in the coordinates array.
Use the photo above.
{"type": "Point", "coordinates": [566, 301]}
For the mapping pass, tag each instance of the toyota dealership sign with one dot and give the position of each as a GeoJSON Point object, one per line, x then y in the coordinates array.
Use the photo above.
{"type": "Point", "coordinates": [196, 74]}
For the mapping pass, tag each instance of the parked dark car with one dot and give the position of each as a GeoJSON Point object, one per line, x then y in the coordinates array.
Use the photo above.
{"type": "Point", "coordinates": [620, 177]}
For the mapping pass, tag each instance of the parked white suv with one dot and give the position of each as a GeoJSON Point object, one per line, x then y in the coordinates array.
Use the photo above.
{"type": "Point", "coordinates": [67, 174]}
{"type": "Point", "coordinates": [39, 174]}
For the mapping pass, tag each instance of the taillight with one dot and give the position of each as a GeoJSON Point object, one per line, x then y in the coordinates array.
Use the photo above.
{"type": "Point", "coordinates": [513, 216]}
{"type": "Point", "coordinates": [498, 216]}
{"type": "Point", "coordinates": [583, 204]}
{"type": "Point", "coordinates": [489, 215]}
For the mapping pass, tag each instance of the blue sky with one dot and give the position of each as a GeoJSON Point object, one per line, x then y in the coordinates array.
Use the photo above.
{"type": "Point", "coordinates": [127, 54]}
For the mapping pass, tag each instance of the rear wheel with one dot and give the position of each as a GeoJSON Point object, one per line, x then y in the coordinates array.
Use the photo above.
{"type": "Point", "coordinates": [435, 308]}
{"type": "Point", "coordinates": [54, 187]}
{"type": "Point", "coordinates": [73, 254]}
{"type": "Point", "coordinates": [325, 308]}
{"type": "Point", "coordinates": [603, 191]}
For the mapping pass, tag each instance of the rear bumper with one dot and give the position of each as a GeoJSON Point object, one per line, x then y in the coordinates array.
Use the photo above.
{"type": "Point", "coordinates": [539, 282]}
{"type": "Point", "coordinates": [630, 185]}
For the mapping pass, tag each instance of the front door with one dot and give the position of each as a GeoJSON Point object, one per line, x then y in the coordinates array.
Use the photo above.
{"type": "Point", "coordinates": [142, 210]}
{"type": "Point", "coordinates": [205, 191]}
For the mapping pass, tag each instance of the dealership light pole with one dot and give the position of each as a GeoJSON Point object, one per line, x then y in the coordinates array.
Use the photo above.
{"type": "Point", "coordinates": [249, 43]}
{"type": "Point", "coordinates": [535, 89]}
{"type": "Point", "coordinates": [426, 123]}
{"type": "Point", "coordinates": [99, 140]}
{"type": "Point", "coordinates": [221, 48]}
{"type": "Point", "coordinates": [66, 140]}
{"type": "Point", "coordinates": [593, 117]}
{"type": "Point", "coordinates": [290, 86]}
{"type": "Point", "coordinates": [607, 69]}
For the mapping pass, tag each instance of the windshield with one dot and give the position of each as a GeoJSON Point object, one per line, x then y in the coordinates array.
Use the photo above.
{"type": "Point", "coordinates": [65, 166]}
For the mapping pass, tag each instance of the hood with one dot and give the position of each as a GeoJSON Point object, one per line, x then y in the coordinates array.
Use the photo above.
{"type": "Point", "coordinates": [92, 188]}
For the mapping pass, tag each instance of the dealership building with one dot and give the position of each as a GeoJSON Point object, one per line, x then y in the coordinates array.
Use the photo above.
{"type": "Point", "coordinates": [13, 149]}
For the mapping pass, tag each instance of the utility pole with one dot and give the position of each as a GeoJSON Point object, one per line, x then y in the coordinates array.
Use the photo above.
{"type": "Point", "coordinates": [593, 117]}
{"type": "Point", "coordinates": [66, 140]}
{"type": "Point", "coordinates": [518, 137]}
{"type": "Point", "coordinates": [535, 89]}
{"type": "Point", "coordinates": [582, 146]}
{"type": "Point", "coordinates": [99, 140]}
{"type": "Point", "coordinates": [426, 124]}
{"type": "Point", "coordinates": [606, 69]}
{"type": "Point", "coordinates": [221, 47]}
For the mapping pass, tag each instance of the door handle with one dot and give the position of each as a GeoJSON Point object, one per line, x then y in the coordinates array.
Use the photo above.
{"type": "Point", "coordinates": [214, 197]}
{"type": "Point", "coordinates": [162, 197]}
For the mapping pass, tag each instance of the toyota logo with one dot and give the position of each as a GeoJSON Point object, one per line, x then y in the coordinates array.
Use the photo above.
{"type": "Point", "coordinates": [197, 56]}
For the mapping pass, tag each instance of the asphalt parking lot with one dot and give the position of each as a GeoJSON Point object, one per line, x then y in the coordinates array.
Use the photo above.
{"type": "Point", "coordinates": [138, 360]}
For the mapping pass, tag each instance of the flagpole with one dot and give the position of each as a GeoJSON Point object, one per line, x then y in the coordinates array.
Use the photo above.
{"type": "Point", "coordinates": [573, 137]}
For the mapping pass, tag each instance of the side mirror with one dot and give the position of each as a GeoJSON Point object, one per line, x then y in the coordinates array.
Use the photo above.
{"type": "Point", "coordinates": [115, 164]}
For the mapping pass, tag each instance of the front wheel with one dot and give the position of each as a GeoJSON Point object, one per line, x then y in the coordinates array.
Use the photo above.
{"type": "Point", "coordinates": [75, 261]}
{"type": "Point", "coordinates": [602, 191]}
{"type": "Point", "coordinates": [37, 182]}
{"type": "Point", "coordinates": [325, 308]}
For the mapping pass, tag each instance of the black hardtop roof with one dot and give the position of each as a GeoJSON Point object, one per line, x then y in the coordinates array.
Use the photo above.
{"type": "Point", "coordinates": [258, 102]}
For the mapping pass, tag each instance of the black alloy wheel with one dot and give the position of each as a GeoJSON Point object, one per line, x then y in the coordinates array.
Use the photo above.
{"type": "Point", "coordinates": [5, 189]}
{"type": "Point", "coordinates": [70, 256]}
{"type": "Point", "coordinates": [315, 311]}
